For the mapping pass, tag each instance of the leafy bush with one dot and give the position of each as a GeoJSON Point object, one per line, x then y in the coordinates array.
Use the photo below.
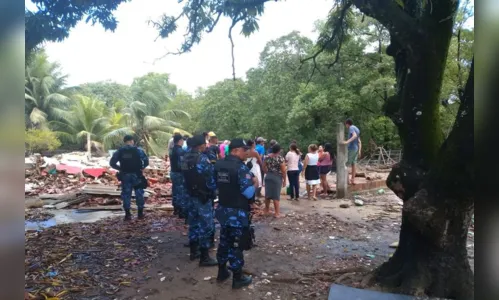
{"type": "Point", "coordinates": [38, 140]}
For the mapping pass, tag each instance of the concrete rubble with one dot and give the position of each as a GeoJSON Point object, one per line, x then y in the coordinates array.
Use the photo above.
{"type": "Point", "coordinates": [73, 180]}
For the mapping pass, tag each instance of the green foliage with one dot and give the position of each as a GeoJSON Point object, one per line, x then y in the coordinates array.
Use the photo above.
{"type": "Point", "coordinates": [203, 16]}
{"type": "Point", "coordinates": [281, 100]}
{"type": "Point", "coordinates": [43, 84]}
{"type": "Point", "coordinates": [113, 94]}
{"type": "Point", "coordinates": [53, 20]}
{"type": "Point", "coordinates": [38, 140]}
{"type": "Point", "coordinates": [87, 118]}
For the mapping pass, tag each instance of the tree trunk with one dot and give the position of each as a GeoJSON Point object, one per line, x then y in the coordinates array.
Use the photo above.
{"type": "Point", "coordinates": [89, 145]}
{"type": "Point", "coordinates": [432, 256]}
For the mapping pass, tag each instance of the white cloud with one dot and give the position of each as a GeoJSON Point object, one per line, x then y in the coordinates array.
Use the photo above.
{"type": "Point", "coordinates": [91, 54]}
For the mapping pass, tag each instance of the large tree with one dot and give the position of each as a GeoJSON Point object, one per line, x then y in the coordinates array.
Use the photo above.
{"type": "Point", "coordinates": [435, 178]}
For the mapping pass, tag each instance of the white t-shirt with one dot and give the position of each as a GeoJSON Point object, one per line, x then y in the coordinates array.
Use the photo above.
{"type": "Point", "coordinates": [292, 160]}
{"type": "Point", "coordinates": [313, 159]}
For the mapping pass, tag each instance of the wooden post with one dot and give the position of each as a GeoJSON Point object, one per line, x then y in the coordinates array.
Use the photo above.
{"type": "Point", "coordinates": [341, 160]}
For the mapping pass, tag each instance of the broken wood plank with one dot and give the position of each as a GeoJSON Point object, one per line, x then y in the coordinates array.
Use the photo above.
{"type": "Point", "coordinates": [59, 197]}
{"type": "Point", "coordinates": [109, 190]}
{"type": "Point", "coordinates": [78, 200]}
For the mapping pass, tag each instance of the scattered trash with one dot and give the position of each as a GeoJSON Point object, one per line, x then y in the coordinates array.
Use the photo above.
{"type": "Point", "coordinates": [371, 256]}
{"type": "Point", "coordinates": [162, 279]}
{"type": "Point", "coordinates": [358, 202]}
{"type": "Point", "coordinates": [394, 244]}
{"type": "Point", "coordinates": [320, 256]}
{"type": "Point", "coordinates": [207, 278]}
{"type": "Point", "coordinates": [331, 237]}
{"type": "Point", "coordinates": [381, 191]}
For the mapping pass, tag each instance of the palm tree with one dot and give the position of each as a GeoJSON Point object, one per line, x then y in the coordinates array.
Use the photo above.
{"type": "Point", "coordinates": [43, 81]}
{"type": "Point", "coordinates": [149, 117]}
{"type": "Point", "coordinates": [89, 121]}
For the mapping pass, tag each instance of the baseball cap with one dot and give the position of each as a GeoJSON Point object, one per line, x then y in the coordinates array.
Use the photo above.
{"type": "Point", "coordinates": [238, 143]}
{"type": "Point", "coordinates": [212, 134]}
{"type": "Point", "coordinates": [196, 141]}
{"type": "Point", "coordinates": [260, 139]}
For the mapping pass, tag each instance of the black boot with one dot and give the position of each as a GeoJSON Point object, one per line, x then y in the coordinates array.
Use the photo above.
{"type": "Point", "coordinates": [205, 260]}
{"type": "Point", "coordinates": [128, 215]}
{"type": "Point", "coordinates": [195, 254]}
{"type": "Point", "coordinates": [223, 273]}
{"type": "Point", "coordinates": [239, 280]}
{"type": "Point", "coordinates": [141, 214]}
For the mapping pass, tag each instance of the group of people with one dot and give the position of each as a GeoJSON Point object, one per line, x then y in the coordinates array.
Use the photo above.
{"type": "Point", "coordinates": [197, 175]}
{"type": "Point", "coordinates": [234, 172]}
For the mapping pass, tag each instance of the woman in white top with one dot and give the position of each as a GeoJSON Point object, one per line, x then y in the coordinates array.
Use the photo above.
{"type": "Point", "coordinates": [293, 170]}
{"type": "Point", "coordinates": [256, 161]}
{"type": "Point", "coordinates": [311, 171]}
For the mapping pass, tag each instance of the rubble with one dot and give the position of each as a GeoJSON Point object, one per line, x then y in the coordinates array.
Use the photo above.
{"type": "Point", "coordinates": [57, 181]}
{"type": "Point", "coordinates": [78, 260]}
{"type": "Point", "coordinates": [37, 215]}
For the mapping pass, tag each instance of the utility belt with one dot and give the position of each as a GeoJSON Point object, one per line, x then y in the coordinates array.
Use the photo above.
{"type": "Point", "coordinates": [143, 182]}
{"type": "Point", "coordinates": [204, 197]}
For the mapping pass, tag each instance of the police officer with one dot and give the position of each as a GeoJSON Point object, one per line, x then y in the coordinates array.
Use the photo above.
{"type": "Point", "coordinates": [132, 160]}
{"type": "Point", "coordinates": [176, 158]}
{"type": "Point", "coordinates": [236, 187]}
{"type": "Point", "coordinates": [200, 187]}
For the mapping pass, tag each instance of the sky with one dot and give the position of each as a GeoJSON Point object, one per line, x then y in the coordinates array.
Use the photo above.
{"type": "Point", "coordinates": [92, 54]}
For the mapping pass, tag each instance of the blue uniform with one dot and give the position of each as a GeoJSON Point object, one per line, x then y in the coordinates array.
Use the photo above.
{"type": "Point", "coordinates": [233, 223]}
{"type": "Point", "coordinates": [129, 180]}
{"type": "Point", "coordinates": [178, 186]}
{"type": "Point", "coordinates": [200, 215]}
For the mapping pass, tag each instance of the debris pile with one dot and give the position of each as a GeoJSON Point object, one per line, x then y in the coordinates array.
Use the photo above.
{"type": "Point", "coordinates": [59, 180]}
{"type": "Point", "coordinates": [37, 215]}
{"type": "Point", "coordinates": [93, 260]}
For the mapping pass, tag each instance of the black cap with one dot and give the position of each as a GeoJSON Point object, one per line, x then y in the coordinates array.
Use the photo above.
{"type": "Point", "coordinates": [127, 138]}
{"type": "Point", "coordinates": [177, 138]}
{"type": "Point", "coordinates": [196, 141]}
{"type": "Point", "coordinates": [238, 143]}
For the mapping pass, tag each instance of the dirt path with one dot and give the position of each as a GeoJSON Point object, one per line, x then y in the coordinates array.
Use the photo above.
{"type": "Point", "coordinates": [297, 257]}
{"type": "Point", "coordinates": [314, 236]}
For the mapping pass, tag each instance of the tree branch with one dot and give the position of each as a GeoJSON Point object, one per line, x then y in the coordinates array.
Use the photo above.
{"type": "Point", "coordinates": [245, 4]}
{"type": "Point", "coordinates": [234, 22]}
{"type": "Point", "coordinates": [398, 22]}
{"type": "Point", "coordinates": [336, 34]}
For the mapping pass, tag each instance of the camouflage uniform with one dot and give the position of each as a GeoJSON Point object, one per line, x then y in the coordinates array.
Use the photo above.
{"type": "Point", "coordinates": [129, 180]}
{"type": "Point", "coordinates": [232, 223]}
{"type": "Point", "coordinates": [200, 215]}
